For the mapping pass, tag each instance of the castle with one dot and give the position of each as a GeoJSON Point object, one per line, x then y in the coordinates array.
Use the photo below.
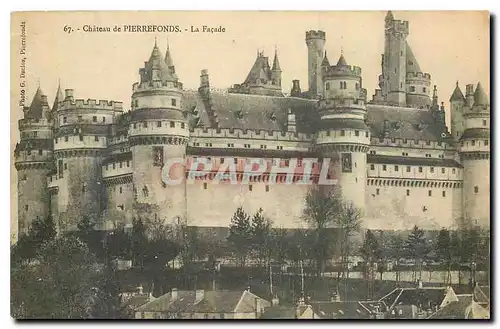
{"type": "Point", "coordinates": [393, 155]}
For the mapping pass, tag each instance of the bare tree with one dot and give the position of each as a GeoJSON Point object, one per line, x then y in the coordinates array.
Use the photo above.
{"type": "Point", "coordinates": [348, 223]}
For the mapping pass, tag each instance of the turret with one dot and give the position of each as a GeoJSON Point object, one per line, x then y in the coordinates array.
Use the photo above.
{"type": "Point", "coordinates": [33, 161]}
{"type": "Point", "coordinates": [457, 106]}
{"type": "Point", "coordinates": [393, 80]}
{"type": "Point", "coordinates": [158, 132]}
{"type": "Point", "coordinates": [296, 91]}
{"type": "Point", "coordinates": [315, 41]}
{"type": "Point", "coordinates": [475, 156]}
{"type": "Point", "coordinates": [276, 70]}
{"type": "Point", "coordinates": [343, 135]}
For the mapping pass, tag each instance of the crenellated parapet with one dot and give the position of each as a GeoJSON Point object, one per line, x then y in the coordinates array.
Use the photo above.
{"type": "Point", "coordinates": [250, 134]}
{"type": "Point", "coordinates": [91, 104]}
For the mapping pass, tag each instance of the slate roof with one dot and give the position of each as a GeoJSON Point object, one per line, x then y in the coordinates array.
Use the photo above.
{"type": "Point", "coordinates": [453, 310]}
{"type": "Point", "coordinates": [480, 97]}
{"type": "Point", "coordinates": [404, 123]}
{"type": "Point", "coordinates": [476, 133]}
{"type": "Point", "coordinates": [457, 94]}
{"type": "Point", "coordinates": [411, 61]}
{"type": "Point", "coordinates": [279, 312]}
{"type": "Point", "coordinates": [482, 294]}
{"type": "Point", "coordinates": [37, 105]}
{"type": "Point", "coordinates": [340, 310]}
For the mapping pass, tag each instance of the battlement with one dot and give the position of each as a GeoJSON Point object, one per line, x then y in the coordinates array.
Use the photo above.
{"type": "Point", "coordinates": [312, 34]}
{"type": "Point", "coordinates": [165, 85]}
{"type": "Point", "coordinates": [343, 70]}
{"type": "Point", "coordinates": [93, 104]}
{"type": "Point", "coordinates": [350, 102]}
{"type": "Point", "coordinates": [399, 26]}
{"type": "Point", "coordinates": [418, 76]}
{"type": "Point", "coordinates": [250, 134]}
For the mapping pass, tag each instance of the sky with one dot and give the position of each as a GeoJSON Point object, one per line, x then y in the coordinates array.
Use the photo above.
{"type": "Point", "coordinates": [450, 45]}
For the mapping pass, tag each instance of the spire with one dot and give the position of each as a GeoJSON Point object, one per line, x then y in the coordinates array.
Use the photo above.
{"type": "Point", "coordinates": [342, 61]}
{"type": "Point", "coordinates": [155, 59]}
{"type": "Point", "coordinates": [59, 97]}
{"type": "Point", "coordinates": [168, 56]}
{"type": "Point", "coordinates": [457, 94]}
{"type": "Point", "coordinates": [325, 62]}
{"type": "Point", "coordinates": [276, 63]}
{"type": "Point", "coordinates": [36, 108]}
{"type": "Point", "coordinates": [480, 97]}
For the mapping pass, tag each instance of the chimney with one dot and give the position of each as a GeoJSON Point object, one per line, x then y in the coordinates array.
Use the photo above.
{"type": "Point", "coordinates": [68, 94]}
{"type": "Point", "coordinates": [200, 295]}
{"type": "Point", "coordinates": [291, 122]}
{"type": "Point", "coordinates": [174, 294]}
{"type": "Point", "coordinates": [469, 95]}
{"type": "Point", "coordinates": [295, 92]}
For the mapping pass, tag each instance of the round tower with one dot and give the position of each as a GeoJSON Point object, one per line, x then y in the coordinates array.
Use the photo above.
{"type": "Point", "coordinates": [80, 142]}
{"type": "Point", "coordinates": [33, 161]}
{"type": "Point", "coordinates": [475, 156]}
{"type": "Point", "coordinates": [158, 134]}
{"type": "Point", "coordinates": [315, 41]}
{"type": "Point", "coordinates": [344, 136]}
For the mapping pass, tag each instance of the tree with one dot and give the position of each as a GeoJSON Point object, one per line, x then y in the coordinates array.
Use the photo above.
{"type": "Point", "coordinates": [396, 250]}
{"type": "Point", "coordinates": [322, 206]}
{"type": "Point", "coordinates": [60, 284]}
{"type": "Point", "coordinates": [40, 232]}
{"type": "Point", "coordinates": [279, 239]}
{"type": "Point", "coordinates": [348, 223]}
{"type": "Point", "coordinates": [108, 303]}
{"type": "Point", "coordinates": [417, 248]}
{"type": "Point", "coordinates": [443, 251]}
{"type": "Point", "coordinates": [240, 235]}
{"type": "Point", "coordinates": [261, 237]}
{"type": "Point", "coordinates": [118, 243]}
{"type": "Point", "coordinates": [138, 241]}
{"type": "Point", "coordinates": [371, 253]}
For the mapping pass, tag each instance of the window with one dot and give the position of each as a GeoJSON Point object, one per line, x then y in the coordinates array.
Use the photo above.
{"type": "Point", "coordinates": [440, 143]}
{"type": "Point", "coordinates": [484, 123]}
{"type": "Point", "coordinates": [407, 192]}
{"type": "Point", "coordinates": [205, 186]}
{"type": "Point", "coordinates": [230, 145]}
{"type": "Point", "coordinates": [221, 160]}
{"type": "Point", "coordinates": [444, 194]}
{"type": "Point", "coordinates": [279, 147]}
{"type": "Point", "coordinates": [473, 143]}
{"type": "Point", "coordinates": [94, 118]}
{"type": "Point", "coordinates": [404, 154]}
{"type": "Point", "coordinates": [128, 163]}
{"type": "Point", "coordinates": [373, 152]}
{"type": "Point", "coordinates": [121, 190]}
{"type": "Point", "coordinates": [114, 165]}
{"type": "Point", "coordinates": [65, 138]}
{"type": "Point", "coordinates": [65, 120]}
{"type": "Point", "coordinates": [424, 89]}
{"type": "Point", "coordinates": [107, 167]}
{"type": "Point", "coordinates": [428, 142]}
{"type": "Point", "coordinates": [366, 133]}
{"type": "Point", "coordinates": [357, 86]}
{"type": "Point", "coordinates": [182, 125]}
{"type": "Point", "coordinates": [172, 124]}
{"type": "Point", "coordinates": [396, 168]}
{"type": "Point", "coordinates": [430, 192]}
{"type": "Point", "coordinates": [145, 124]}
{"type": "Point", "coordinates": [476, 189]}
{"type": "Point", "coordinates": [408, 168]}
{"type": "Point", "coordinates": [432, 169]}
{"type": "Point", "coordinates": [453, 171]}
{"type": "Point", "coordinates": [40, 152]}
{"type": "Point", "coordinates": [103, 119]}
{"type": "Point", "coordinates": [174, 102]}
{"type": "Point", "coordinates": [267, 188]}
{"type": "Point", "coordinates": [60, 165]}
{"type": "Point", "coordinates": [342, 133]}
{"type": "Point", "coordinates": [443, 170]}
{"type": "Point", "coordinates": [205, 316]}
{"type": "Point", "coordinates": [263, 146]}
{"type": "Point", "coordinates": [135, 125]}
{"type": "Point", "coordinates": [96, 138]}
{"type": "Point", "coordinates": [84, 187]}
{"type": "Point", "coordinates": [158, 156]}
{"type": "Point", "coordinates": [235, 160]}
{"type": "Point", "coordinates": [327, 86]}
{"type": "Point", "coordinates": [80, 118]}
{"type": "Point", "coordinates": [412, 89]}
{"type": "Point", "coordinates": [384, 167]}
{"type": "Point", "coordinates": [158, 124]}
{"type": "Point", "coordinates": [250, 188]}
{"type": "Point", "coordinates": [121, 164]}
{"type": "Point", "coordinates": [372, 167]}
{"type": "Point", "coordinates": [378, 191]}
{"type": "Point", "coordinates": [356, 133]}
{"type": "Point", "coordinates": [486, 142]}
{"type": "Point", "coordinates": [328, 133]}
{"type": "Point", "coordinates": [81, 138]}
{"type": "Point", "coordinates": [420, 169]}
{"type": "Point", "coordinates": [26, 207]}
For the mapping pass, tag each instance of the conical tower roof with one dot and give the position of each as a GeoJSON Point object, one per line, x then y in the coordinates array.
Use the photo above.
{"type": "Point", "coordinates": [168, 57]}
{"type": "Point", "coordinates": [457, 94]}
{"type": "Point", "coordinates": [341, 61]}
{"type": "Point", "coordinates": [411, 61]}
{"type": "Point", "coordinates": [276, 62]}
{"type": "Point", "coordinates": [480, 97]}
{"type": "Point", "coordinates": [59, 98]}
{"type": "Point", "coordinates": [37, 104]}
{"type": "Point", "coordinates": [325, 62]}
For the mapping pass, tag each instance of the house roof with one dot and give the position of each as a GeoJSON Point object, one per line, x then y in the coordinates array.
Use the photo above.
{"type": "Point", "coordinates": [341, 310]}
{"type": "Point", "coordinates": [426, 297]}
{"type": "Point", "coordinates": [453, 310]}
{"type": "Point", "coordinates": [212, 302]}
{"type": "Point", "coordinates": [457, 94]}
{"type": "Point", "coordinates": [279, 312]}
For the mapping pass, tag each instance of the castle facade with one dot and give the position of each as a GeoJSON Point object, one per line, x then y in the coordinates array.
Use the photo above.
{"type": "Point", "coordinates": [393, 156]}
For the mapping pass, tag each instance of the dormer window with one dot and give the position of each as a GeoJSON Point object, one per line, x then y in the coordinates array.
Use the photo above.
{"type": "Point", "coordinates": [239, 114]}
{"type": "Point", "coordinates": [272, 116]}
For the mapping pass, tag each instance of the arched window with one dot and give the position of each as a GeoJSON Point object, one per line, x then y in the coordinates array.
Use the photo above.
{"type": "Point", "coordinates": [327, 86]}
